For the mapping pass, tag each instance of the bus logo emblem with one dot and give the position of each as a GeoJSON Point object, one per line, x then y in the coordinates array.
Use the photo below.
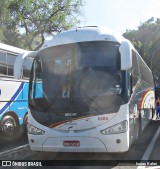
{"type": "Point", "coordinates": [70, 114]}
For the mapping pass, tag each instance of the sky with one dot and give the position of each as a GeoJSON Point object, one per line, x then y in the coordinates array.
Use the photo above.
{"type": "Point", "coordinates": [119, 15]}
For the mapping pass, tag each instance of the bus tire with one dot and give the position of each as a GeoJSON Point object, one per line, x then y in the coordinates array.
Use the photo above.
{"type": "Point", "coordinates": [153, 112]}
{"type": "Point", "coordinates": [25, 122]}
{"type": "Point", "coordinates": [9, 128]}
{"type": "Point", "coordinates": [137, 130]}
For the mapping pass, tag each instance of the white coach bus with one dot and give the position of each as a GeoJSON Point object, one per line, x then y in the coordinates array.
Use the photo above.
{"type": "Point", "coordinates": [90, 91]}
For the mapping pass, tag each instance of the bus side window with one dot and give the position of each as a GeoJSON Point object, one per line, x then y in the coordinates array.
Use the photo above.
{"type": "Point", "coordinates": [10, 63]}
{"type": "Point", "coordinates": [3, 64]}
{"type": "Point", "coordinates": [130, 87]}
{"type": "Point", "coordinates": [37, 85]}
{"type": "Point", "coordinates": [131, 83]}
{"type": "Point", "coordinates": [135, 69]}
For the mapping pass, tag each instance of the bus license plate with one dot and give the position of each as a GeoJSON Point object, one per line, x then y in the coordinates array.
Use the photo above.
{"type": "Point", "coordinates": [71, 143]}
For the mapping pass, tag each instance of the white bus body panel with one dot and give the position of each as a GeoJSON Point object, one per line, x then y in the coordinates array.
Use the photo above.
{"type": "Point", "coordinates": [84, 35]}
{"type": "Point", "coordinates": [90, 140]}
{"type": "Point", "coordinates": [11, 49]}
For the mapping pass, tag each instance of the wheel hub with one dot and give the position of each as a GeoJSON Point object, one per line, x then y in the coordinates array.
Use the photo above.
{"type": "Point", "coordinates": [8, 127]}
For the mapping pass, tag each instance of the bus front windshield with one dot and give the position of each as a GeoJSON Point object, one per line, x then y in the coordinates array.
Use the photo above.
{"type": "Point", "coordinates": [81, 77]}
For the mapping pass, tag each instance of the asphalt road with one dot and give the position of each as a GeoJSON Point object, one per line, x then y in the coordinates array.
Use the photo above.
{"type": "Point", "coordinates": [4, 146]}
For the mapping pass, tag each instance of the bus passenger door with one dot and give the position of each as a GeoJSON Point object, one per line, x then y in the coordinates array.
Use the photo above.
{"type": "Point", "coordinates": [130, 96]}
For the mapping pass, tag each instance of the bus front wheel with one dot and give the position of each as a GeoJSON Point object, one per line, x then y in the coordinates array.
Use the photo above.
{"type": "Point", "coordinates": [25, 122]}
{"type": "Point", "coordinates": [9, 128]}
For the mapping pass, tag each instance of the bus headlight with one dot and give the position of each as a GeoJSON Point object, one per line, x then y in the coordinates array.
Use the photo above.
{"type": "Point", "coordinates": [34, 130]}
{"type": "Point", "coordinates": [116, 129]}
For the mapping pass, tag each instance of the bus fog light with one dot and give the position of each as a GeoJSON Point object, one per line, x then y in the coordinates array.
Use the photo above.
{"type": "Point", "coordinates": [118, 141]}
{"type": "Point", "coordinates": [32, 141]}
{"type": "Point", "coordinates": [34, 130]}
{"type": "Point", "coordinates": [116, 129]}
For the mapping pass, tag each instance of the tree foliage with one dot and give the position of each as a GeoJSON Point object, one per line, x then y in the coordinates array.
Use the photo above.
{"type": "Point", "coordinates": [147, 41]}
{"type": "Point", "coordinates": [26, 23]}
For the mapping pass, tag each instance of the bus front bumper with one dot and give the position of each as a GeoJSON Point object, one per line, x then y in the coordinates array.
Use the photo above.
{"type": "Point", "coordinates": [85, 144]}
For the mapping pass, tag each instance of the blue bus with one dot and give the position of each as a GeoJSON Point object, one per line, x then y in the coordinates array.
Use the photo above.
{"type": "Point", "coordinates": [13, 93]}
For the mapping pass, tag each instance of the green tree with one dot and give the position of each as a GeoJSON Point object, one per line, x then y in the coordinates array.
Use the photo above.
{"type": "Point", "coordinates": [146, 39]}
{"type": "Point", "coordinates": [31, 21]}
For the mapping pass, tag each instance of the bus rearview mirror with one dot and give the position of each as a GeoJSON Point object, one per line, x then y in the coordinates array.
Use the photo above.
{"type": "Point", "coordinates": [126, 56]}
{"type": "Point", "coordinates": [18, 64]}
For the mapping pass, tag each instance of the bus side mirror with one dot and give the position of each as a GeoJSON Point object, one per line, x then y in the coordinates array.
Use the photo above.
{"type": "Point", "coordinates": [126, 56]}
{"type": "Point", "coordinates": [18, 64]}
